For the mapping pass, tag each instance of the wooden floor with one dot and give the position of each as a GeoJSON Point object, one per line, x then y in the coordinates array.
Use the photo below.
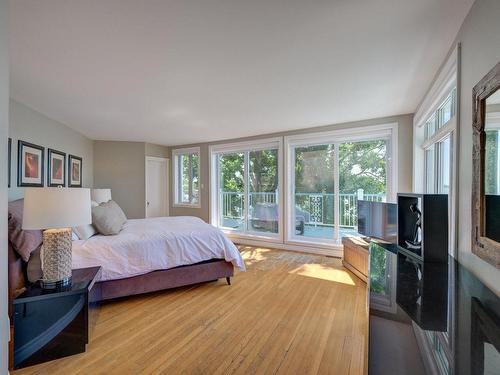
{"type": "Point", "coordinates": [290, 313]}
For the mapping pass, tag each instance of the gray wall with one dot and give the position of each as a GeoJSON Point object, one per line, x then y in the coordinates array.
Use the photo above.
{"type": "Point", "coordinates": [480, 40]}
{"type": "Point", "coordinates": [405, 141]}
{"type": "Point", "coordinates": [121, 166]}
{"type": "Point", "coordinates": [4, 128]}
{"type": "Point", "coordinates": [32, 126]}
{"type": "Point", "coordinates": [157, 151]}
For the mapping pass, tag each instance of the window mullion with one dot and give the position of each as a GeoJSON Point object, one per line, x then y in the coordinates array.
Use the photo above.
{"type": "Point", "coordinates": [336, 183]}
{"type": "Point", "coordinates": [246, 190]}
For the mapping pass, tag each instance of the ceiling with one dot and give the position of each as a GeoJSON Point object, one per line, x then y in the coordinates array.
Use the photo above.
{"type": "Point", "coordinates": [186, 71]}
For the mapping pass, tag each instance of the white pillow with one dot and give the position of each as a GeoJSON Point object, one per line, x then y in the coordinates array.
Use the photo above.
{"type": "Point", "coordinates": [108, 218]}
{"type": "Point", "coordinates": [84, 232]}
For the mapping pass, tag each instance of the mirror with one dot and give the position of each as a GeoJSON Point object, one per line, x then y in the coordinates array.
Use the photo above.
{"type": "Point", "coordinates": [492, 167]}
{"type": "Point", "coordinates": [486, 168]}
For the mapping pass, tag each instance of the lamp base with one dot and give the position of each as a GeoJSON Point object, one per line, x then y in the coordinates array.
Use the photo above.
{"type": "Point", "coordinates": [56, 258]}
{"type": "Point", "coordinates": [60, 284]}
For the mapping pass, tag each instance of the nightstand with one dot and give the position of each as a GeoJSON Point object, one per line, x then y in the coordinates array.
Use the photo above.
{"type": "Point", "coordinates": [55, 323]}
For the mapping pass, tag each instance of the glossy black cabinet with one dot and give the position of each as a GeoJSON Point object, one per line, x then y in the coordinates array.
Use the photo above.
{"type": "Point", "coordinates": [429, 318]}
{"type": "Point", "coordinates": [50, 324]}
{"type": "Point", "coordinates": [423, 226]}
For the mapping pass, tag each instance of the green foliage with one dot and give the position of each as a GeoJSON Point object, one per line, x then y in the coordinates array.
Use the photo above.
{"type": "Point", "coordinates": [362, 165]}
{"type": "Point", "coordinates": [232, 172]}
{"type": "Point", "coordinates": [377, 269]}
{"type": "Point", "coordinates": [491, 162]}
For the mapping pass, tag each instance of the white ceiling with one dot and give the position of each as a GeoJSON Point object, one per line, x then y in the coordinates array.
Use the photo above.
{"type": "Point", "coordinates": [185, 71]}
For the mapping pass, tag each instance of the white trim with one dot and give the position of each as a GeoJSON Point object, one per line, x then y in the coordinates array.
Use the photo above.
{"type": "Point", "coordinates": [175, 180]}
{"type": "Point", "coordinates": [166, 202]}
{"type": "Point", "coordinates": [447, 79]}
{"type": "Point", "coordinates": [331, 251]}
{"type": "Point", "coordinates": [388, 132]}
{"type": "Point", "coordinates": [215, 204]}
{"type": "Point", "coordinates": [254, 145]}
{"type": "Point", "coordinates": [186, 150]}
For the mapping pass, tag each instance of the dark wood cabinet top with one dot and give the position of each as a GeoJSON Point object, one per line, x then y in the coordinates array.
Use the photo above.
{"type": "Point", "coordinates": [82, 280]}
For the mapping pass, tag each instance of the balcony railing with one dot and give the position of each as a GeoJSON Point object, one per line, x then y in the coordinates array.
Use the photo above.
{"type": "Point", "coordinates": [316, 208]}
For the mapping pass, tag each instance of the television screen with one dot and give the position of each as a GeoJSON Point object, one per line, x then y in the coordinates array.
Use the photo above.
{"type": "Point", "coordinates": [378, 220]}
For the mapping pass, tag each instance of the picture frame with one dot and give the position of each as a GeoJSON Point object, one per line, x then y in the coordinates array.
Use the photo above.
{"type": "Point", "coordinates": [30, 164]}
{"type": "Point", "coordinates": [56, 168]}
{"type": "Point", "coordinates": [75, 164]}
{"type": "Point", "coordinates": [9, 161]}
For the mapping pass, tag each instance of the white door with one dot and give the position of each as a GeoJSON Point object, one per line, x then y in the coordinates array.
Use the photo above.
{"type": "Point", "coordinates": [156, 187]}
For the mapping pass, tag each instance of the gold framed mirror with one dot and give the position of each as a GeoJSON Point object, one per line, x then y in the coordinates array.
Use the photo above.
{"type": "Point", "coordinates": [486, 168]}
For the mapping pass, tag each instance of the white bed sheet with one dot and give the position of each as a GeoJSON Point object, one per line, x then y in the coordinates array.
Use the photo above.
{"type": "Point", "coordinates": [146, 245]}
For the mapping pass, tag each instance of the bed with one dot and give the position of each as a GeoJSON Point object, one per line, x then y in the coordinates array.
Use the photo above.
{"type": "Point", "coordinates": [147, 255]}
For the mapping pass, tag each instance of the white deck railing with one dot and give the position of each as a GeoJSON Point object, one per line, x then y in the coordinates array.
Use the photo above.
{"type": "Point", "coordinates": [318, 207]}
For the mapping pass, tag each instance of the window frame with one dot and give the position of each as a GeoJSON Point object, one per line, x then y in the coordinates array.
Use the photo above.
{"type": "Point", "coordinates": [446, 83]}
{"type": "Point", "coordinates": [215, 204]}
{"type": "Point", "coordinates": [389, 132]}
{"type": "Point", "coordinates": [176, 154]}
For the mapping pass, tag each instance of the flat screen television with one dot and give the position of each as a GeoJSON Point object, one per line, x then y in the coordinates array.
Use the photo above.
{"type": "Point", "coordinates": [378, 220]}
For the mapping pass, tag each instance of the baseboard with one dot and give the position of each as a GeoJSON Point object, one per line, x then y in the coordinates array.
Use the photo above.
{"type": "Point", "coordinates": [336, 251]}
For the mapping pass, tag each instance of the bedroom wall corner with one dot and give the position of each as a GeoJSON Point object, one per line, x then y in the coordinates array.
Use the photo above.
{"type": "Point", "coordinates": [4, 129]}
{"type": "Point", "coordinates": [29, 125]}
{"type": "Point", "coordinates": [157, 151]}
{"type": "Point", "coordinates": [120, 166]}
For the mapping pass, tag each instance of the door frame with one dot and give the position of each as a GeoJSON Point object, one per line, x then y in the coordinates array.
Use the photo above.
{"type": "Point", "coordinates": [166, 203]}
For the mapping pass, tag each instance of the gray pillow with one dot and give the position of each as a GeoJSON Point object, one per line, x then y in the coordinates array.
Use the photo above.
{"type": "Point", "coordinates": [84, 232]}
{"type": "Point", "coordinates": [108, 218]}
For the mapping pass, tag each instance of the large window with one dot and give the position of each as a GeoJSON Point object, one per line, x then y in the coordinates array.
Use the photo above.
{"type": "Point", "coordinates": [323, 177]}
{"type": "Point", "coordinates": [245, 188]}
{"type": "Point", "coordinates": [331, 172]}
{"type": "Point", "coordinates": [186, 177]}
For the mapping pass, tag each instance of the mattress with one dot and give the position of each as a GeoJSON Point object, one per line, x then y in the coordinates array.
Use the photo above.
{"type": "Point", "coordinates": [146, 245]}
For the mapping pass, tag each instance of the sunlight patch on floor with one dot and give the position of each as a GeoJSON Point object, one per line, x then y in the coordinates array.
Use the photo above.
{"type": "Point", "coordinates": [319, 271]}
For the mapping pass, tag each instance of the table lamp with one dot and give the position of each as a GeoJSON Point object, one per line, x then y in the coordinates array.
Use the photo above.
{"type": "Point", "coordinates": [56, 210]}
{"type": "Point", "coordinates": [100, 195]}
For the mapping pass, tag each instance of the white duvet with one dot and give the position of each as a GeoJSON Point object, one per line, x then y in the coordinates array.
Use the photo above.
{"type": "Point", "coordinates": [146, 245]}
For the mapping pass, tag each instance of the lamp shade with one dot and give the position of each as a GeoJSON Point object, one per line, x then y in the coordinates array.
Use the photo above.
{"type": "Point", "coordinates": [58, 207]}
{"type": "Point", "coordinates": [100, 195]}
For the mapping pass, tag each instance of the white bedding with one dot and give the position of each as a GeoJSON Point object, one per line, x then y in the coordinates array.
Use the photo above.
{"type": "Point", "coordinates": [146, 245]}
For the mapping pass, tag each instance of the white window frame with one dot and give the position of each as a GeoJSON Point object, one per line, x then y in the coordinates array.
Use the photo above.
{"type": "Point", "coordinates": [446, 81]}
{"type": "Point", "coordinates": [388, 132]}
{"type": "Point", "coordinates": [215, 204]}
{"type": "Point", "coordinates": [175, 160]}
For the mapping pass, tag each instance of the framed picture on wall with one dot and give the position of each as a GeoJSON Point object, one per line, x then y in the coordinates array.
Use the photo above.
{"type": "Point", "coordinates": [74, 171]}
{"type": "Point", "coordinates": [9, 150]}
{"type": "Point", "coordinates": [56, 168]}
{"type": "Point", "coordinates": [29, 164]}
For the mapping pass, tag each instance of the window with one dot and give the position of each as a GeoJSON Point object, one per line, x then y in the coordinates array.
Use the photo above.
{"type": "Point", "coordinates": [439, 131]}
{"type": "Point", "coordinates": [245, 188]}
{"type": "Point", "coordinates": [186, 177]}
{"type": "Point", "coordinates": [328, 173]}
{"type": "Point", "coordinates": [310, 201]}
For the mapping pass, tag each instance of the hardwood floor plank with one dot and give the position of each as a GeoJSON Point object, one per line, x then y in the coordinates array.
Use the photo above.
{"type": "Point", "coordinates": [290, 313]}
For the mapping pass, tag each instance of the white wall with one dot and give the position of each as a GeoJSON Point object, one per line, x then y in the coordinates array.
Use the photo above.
{"type": "Point", "coordinates": [479, 36]}
{"type": "Point", "coordinates": [29, 125]}
{"type": "Point", "coordinates": [4, 127]}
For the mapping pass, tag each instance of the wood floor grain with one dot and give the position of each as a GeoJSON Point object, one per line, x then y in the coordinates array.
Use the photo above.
{"type": "Point", "coordinates": [290, 313]}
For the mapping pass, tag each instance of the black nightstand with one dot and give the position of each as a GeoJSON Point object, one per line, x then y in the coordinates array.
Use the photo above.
{"type": "Point", "coordinates": [50, 324]}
